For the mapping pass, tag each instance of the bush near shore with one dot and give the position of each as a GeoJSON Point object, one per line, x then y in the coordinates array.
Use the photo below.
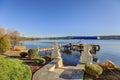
{"type": "Point", "coordinates": [93, 69]}
{"type": "Point", "coordinates": [32, 53]}
{"type": "Point", "coordinates": [13, 69]}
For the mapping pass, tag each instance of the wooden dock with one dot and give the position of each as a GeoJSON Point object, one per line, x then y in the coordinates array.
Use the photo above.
{"type": "Point", "coordinates": [45, 49]}
{"type": "Point", "coordinates": [51, 48]}
{"type": "Point", "coordinates": [78, 47]}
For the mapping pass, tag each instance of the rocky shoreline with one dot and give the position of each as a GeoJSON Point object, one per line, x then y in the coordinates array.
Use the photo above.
{"type": "Point", "coordinates": [108, 74]}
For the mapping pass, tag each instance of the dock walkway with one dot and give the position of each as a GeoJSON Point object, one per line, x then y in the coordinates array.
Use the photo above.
{"type": "Point", "coordinates": [51, 48]}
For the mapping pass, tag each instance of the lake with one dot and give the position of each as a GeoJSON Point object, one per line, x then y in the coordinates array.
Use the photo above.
{"type": "Point", "coordinates": [109, 49]}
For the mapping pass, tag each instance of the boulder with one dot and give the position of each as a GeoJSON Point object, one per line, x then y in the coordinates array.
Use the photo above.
{"type": "Point", "coordinates": [109, 64]}
{"type": "Point", "coordinates": [102, 65]}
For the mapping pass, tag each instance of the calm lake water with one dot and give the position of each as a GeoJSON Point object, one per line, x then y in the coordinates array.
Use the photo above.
{"type": "Point", "coordinates": [110, 49]}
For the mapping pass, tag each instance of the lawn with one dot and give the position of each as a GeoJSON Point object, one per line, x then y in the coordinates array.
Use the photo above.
{"type": "Point", "coordinates": [13, 69]}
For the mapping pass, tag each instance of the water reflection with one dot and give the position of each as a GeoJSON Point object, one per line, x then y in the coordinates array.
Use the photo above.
{"type": "Point", "coordinates": [71, 59]}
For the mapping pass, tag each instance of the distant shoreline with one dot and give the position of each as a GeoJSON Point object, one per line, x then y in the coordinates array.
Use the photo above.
{"type": "Point", "coordinates": [75, 37]}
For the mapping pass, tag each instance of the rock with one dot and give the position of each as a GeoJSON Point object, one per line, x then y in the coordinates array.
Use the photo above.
{"type": "Point", "coordinates": [109, 64]}
{"type": "Point", "coordinates": [102, 65]}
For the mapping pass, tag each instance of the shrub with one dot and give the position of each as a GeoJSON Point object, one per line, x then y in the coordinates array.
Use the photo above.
{"type": "Point", "coordinates": [93, 69]}
{"type": "Point", "coordinates": [118, 68]}
{"type": "Point", "coordinates": [23, 54]}
{"type": "Point", "coordinates": [48, 59]}
{"type": "Point", "coordinates": [32, 53]}
{"type": "Point", "coordinates": [4, 44]}
{"type": "Point", "coordinates": [39, 61]}
{"type": "Point", "coordinates": [13, 69]}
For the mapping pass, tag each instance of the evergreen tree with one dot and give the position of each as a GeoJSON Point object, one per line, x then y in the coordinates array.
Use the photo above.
{"type": "Point", "coordinates": [4, 44]}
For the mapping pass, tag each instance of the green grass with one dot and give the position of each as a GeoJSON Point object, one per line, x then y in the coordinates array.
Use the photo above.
{"type": "Point", "coordinates": [13, 69]}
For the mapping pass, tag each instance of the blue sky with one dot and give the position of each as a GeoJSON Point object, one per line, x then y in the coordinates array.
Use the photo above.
{"type": "Point", "coordinates": [43, 18]}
